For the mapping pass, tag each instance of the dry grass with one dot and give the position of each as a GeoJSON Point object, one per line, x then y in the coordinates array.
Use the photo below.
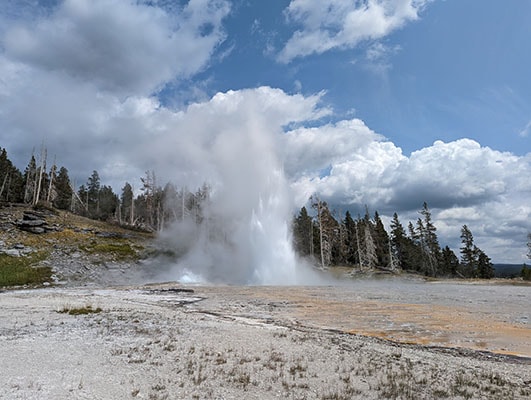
{"type": "Point", "coordinates": [83, 310]}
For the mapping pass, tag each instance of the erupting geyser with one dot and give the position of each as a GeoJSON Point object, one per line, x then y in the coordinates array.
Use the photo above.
{"type": "Point", "coordinates": [243, 245]}
{"type": "Point", "coordinates": [244, 236]}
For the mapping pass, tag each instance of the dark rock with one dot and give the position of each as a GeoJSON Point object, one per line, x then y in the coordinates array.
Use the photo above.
{"type": "Point", "coordinates": [32, 215]}
{"type": "Point", "coordinates": [33, 229]}
{"type": "Point", "coordinates": [34, 222]}
{"type": "Point", "coordinates": [31, 222]}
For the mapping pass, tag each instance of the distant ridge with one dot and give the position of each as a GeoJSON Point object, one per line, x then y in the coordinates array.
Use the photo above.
{"type": "Point", "coordinates": [507, 270]}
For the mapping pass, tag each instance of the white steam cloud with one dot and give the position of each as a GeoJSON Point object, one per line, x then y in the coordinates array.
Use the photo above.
{"type": "Point", "coordinates": [245, 235]}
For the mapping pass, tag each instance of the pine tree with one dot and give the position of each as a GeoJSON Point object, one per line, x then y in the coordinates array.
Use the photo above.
{"type": "Point", "coordinates": [399, 241]}
{"type": "Point", "coordinates": [5, 171]}
{"type": "Point", "coordinates": [51, 192]}
{"type": "Point", "coordinates": [63, 188]}
{"type": "Point", "coordinates": [414, 253]}
{"type": "Point", "coordinates": [367, 248]}
{"type": "Point", "coordinates": [525, 273]}
{"type": "Point", "coordinates": [126, 204]}
{"type": "Point", "coordinates": [30, 174]}
{"type": "Point", "coordinates": [351, 245]}
{"type": "Point", "coordinates": [370, 258]}
{"type": "Point", "coordinates": [93, 195]}
{"type": "Point", "coordinates": [81, 205]}
{"type": "Point", "coordinates": [468, 252]}
{"type": "Point", "coordinates": [303, 233]}
{"type": "Point", "coordinates": [170, 202]}
{"type": "Point", "coordinates": [149, 189]}
{"type": "Point", "coordinates": [449, 261]}
{"type": "Point", "coordinates": [485, 269]}
{"type": "Point", "coordinates": [430, 243]}
{"type": "Point", "coordinates": [41, 178]}
{"type": "Point", "coordinates": [381, 241]}
{"type": "Point", "coordinates": [11, 180]}
{"type": "Point", "coordinates": [107, 203]}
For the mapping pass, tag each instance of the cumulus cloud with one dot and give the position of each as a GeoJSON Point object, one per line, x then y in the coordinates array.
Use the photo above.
{"type": "Point", "coordinates": [463, 183]}
{"type": "Point", "coordinates": [119, 45]}
{"type": "Point", "coordinates": [78, 76]}
{"type": "Point", "coordinates": [103, 115]}
{"type": "Point", "coordinates": [331, 24]}
{"type": "Point", "coordinates": [340, 161]}
{"type": "Point", "coordinates": [466, 174]}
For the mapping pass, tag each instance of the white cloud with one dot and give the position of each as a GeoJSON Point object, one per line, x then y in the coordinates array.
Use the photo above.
{"type": "Point", "coordinates": [78, 77]}
{"type": "Point", "coordinates": [464, 183]}
{"type": "Point", "coordinates": [238, 138]}
{"type": "Point", "coordinates": [330, 24]}
{"type": "Point", "coordinates": [456, 173]}
{"type": "Point", "coordinates": [527, 129]}
{"type": "Point", "coordinates": [118, 45]}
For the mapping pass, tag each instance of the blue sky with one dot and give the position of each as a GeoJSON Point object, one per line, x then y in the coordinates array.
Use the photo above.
{"type": "Point", "coordinates": [460, 70]}
{"type": "Point", "coordinates": [384, 103]}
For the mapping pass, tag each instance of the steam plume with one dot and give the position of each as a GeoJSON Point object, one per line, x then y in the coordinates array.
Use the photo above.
{"type": "Point", "coordinates": [244, 237]}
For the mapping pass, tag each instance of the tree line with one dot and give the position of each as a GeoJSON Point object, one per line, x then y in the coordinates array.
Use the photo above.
{"type": "Point", "coordinates": [364, 244]}
{"type": "Point", "coordinates": [323, 237]}
{"type": "Point", "coordinates": [153, 209]}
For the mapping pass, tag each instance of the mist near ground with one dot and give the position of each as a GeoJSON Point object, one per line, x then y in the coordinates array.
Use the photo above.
{"type": "Point", "coordinates": [252, 248]}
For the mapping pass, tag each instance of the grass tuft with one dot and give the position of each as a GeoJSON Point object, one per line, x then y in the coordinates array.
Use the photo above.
{"type": "Point", "coordinates": [80, 310]}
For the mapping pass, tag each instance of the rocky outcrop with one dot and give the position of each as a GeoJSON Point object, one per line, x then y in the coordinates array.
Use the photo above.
{"type": "Point", "coordinates": [35, 222]}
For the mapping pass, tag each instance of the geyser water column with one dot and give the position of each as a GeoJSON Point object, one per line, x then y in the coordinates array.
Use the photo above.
{"type": "Point", "coordinates": [273, 259]}
{"type": "Point", "coordinates": [245, 237]}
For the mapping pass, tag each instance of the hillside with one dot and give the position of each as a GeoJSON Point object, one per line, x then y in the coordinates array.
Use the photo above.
{"type": "Point", "coordinates": [64, 248]}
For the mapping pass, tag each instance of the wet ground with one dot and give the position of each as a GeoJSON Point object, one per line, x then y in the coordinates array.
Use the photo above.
{"type": "Point", "coordinates": [171, 341]}
{"type": "Point", "coordinates": [478, 316]}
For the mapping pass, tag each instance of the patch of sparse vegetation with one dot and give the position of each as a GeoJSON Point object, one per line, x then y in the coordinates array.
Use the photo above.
{"type": "Point", "coordinates": [118, 251]}
{"type": "Point", "coordinates": [84, 310]}
{"type": "Point", "coordinates": [18, 271]}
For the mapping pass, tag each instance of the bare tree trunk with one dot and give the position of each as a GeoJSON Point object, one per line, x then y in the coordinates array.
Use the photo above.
{"type": "Point", "coordinates": [370, 248]}
{"type": "Point", "coordinates": [119, 211]}
{"type": "Point", "coordinates": [50, 186]}
{"type": "Point", "coordinates": [3, 185]}
{"type": "Point", "coordinates": [74, 193]}
{"type": "Point", "coordinates": [321, 241]}
{"type": "Point", "coordinates": [132, 214]}
{"type": "Point", "coordinates": [393, 262]}
{"type": "Point", "coordinates": [41, 171]}
{"type": "Point", "coordinates": [358, 245]}
{"type": "Point", "coordinates": [8, 187]}
{"type": "Point", "coordinates": [311, 239]}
